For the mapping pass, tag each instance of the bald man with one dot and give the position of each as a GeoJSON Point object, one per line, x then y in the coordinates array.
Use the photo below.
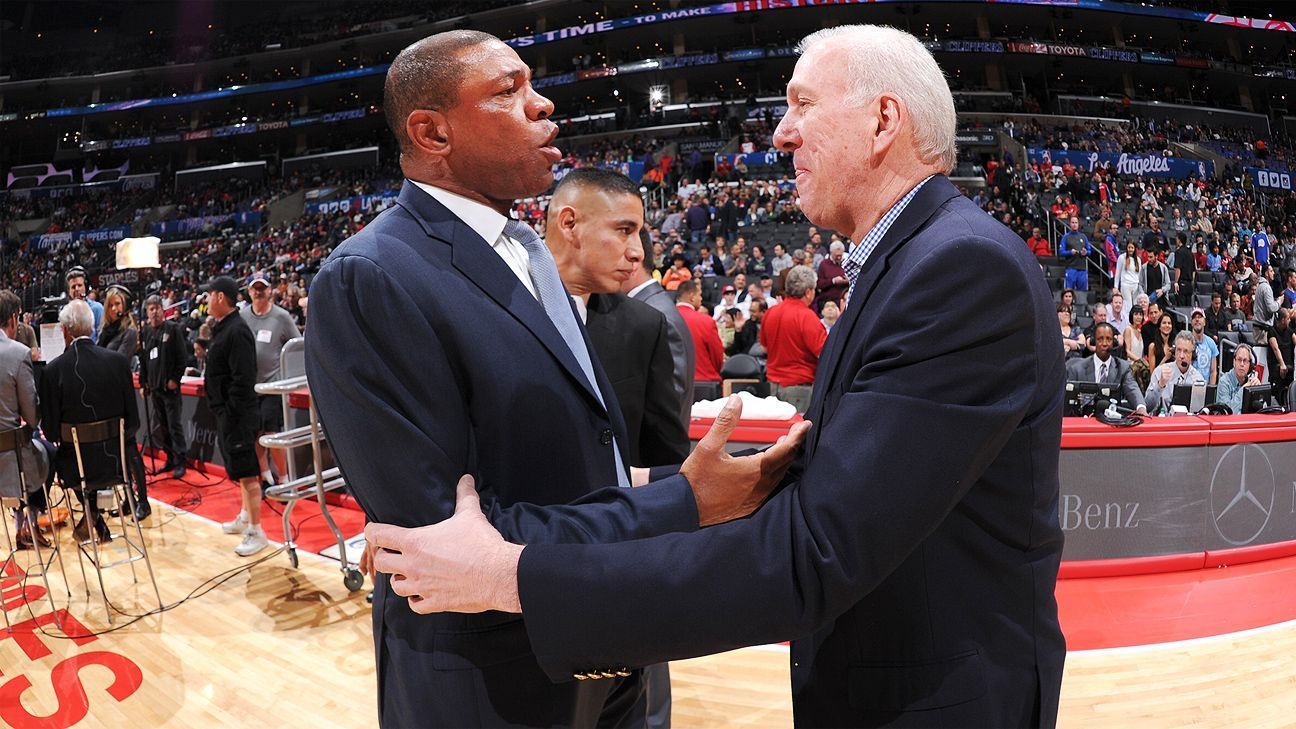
{"type": "Point", "coordinates": [442, 343]}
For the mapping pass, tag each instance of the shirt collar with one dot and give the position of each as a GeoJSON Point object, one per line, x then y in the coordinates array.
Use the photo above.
{"type": "Point", "coordinates": [859, 255]}
{"type": "Point", "coordinates": [483, 220]}
{"type": "Point", "coordinates": [639, 288]}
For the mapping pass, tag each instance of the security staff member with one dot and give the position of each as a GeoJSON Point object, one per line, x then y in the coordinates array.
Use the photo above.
{"type": "Point", "coordinates": [231, 375]}
{"type": "Point", "coordinates": [162, 364]}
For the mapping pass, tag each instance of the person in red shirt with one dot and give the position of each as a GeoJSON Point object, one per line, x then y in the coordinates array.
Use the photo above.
{"type": "Point", "coordinates": [1038, 244]}
{"type": "Point", "coordinates": [793, 338]}
{"type": "Point", "coordinates": [706, 336]}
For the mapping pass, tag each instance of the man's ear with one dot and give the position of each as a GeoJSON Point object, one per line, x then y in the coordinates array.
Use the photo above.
{"type": "Point", "coordinates": [429, 131]}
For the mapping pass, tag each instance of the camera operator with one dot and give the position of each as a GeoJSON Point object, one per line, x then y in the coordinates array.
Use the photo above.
{"type": "Point", "coordinates": [162, 362]}
{"type": "Point", "coordinates": [231, 374]}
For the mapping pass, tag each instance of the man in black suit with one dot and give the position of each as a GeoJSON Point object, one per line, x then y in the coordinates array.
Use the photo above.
{"type": "Point", "coordinates": [501, 385]}
{"type": "Point", "coordinates": [913, 560]}
{"type": "Point", "coordinates": [641, 286]}
{"type": "Point", "coordinates": [83, 385]}
{"type": "Point", "coordinates": [1103, 367]}
{"type": "Point", "coordinates": [593, 232]}
{"type": "Point", "coordinates": [162, 360]}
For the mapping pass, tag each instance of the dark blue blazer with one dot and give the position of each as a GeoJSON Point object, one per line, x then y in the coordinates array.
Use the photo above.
{"type": "Point", "coordinates": [913, 560]}
{"type": "Point", "coordinates": [428, 359]}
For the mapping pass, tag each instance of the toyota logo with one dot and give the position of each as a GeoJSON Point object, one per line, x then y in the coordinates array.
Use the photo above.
{"type": "Point", "coordinates": [1242, 494]}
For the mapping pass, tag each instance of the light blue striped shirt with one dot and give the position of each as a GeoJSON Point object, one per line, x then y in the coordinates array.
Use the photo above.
{"type": "Point", "coordinates": [859, 255]}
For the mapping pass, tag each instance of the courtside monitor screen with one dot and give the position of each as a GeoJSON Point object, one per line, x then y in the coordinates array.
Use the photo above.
{"type": "Point", "coordinates": [1256, 398]}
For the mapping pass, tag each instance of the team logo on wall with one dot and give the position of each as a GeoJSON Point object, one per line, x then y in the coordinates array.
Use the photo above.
{"type": "Point", "coordinates": [1242, 494]}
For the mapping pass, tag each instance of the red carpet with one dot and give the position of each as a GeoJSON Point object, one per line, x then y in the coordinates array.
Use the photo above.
{"type": "Point", "coordinates": [212, 496]}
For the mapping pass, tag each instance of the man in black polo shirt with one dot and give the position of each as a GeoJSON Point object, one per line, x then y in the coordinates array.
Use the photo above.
{"type": "Point", "coordinates": [1185, 272]}
{"type": "Point", "coordinates": [231, 374]}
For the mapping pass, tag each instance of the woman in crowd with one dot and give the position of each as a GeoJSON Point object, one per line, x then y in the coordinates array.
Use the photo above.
{"type": "Point", "coordinates": [1161, 348]}
{"type": "Point", "coordinates": [677, 274]}
{"type": "Point", "coordinates": [1128, 269]}
{"type": "Point", "coordinates": [1068, 300]}
{"type": "Point", "coordinates": [1242, 375]}
{"type": "Point", "coordinates": [1132, 337]}
{"type": "Point", "coordinates": [118, 330]}
{"type": "Point", "coordinates": [1072, 338]}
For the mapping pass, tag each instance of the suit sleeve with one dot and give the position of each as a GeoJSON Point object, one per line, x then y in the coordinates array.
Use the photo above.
{"type": "Point", "coordinates": [861, 507]}
{"type": "Point", "coordinates": [28, 402]}
{"type": "Point", "coordinates": [393, 431]}
{"type": "Point", "coordinates": [663, 436]}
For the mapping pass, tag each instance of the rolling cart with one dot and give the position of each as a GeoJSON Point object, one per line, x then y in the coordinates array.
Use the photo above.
{"type": "Point", "coordinates": [314, 481]}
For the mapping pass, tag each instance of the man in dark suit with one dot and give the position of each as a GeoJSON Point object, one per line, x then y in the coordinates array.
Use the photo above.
{"type": "Point", "coordinates": [643, 287]}
{"type": "Point", "coordinates": [1102, 367]}
{"type": "Point", "coordinates": [593, 227]}
{"type": "Point", "coordinates": [83, 385]}
{"type": "Point", "coordinates": [914, 557]}
{"type": "Point", "coordinates": [499, 384]}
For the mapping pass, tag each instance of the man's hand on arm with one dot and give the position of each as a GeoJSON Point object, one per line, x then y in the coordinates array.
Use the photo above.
{"type": "Point", "coordinates": [459, 565]}
{"type": "Point", "coordinates": [728, 487]}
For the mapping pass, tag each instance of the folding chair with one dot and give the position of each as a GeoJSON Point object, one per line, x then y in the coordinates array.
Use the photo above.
{"type": "Point", "coordinates": [123, 500]}
{"type": "Point", "coordinates": [14, 441]}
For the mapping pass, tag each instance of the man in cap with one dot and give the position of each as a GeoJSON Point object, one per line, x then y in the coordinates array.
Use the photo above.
{"type": "Point", "coordinates": [272, 327]}
{"type": "Point", "coordinates": [231, 375]}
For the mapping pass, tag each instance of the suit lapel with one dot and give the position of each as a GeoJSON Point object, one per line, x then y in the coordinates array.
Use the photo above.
{"type": "Point", "coordinates": [475, 259]}
{"type": "Point", "coordinates": [935, 193]}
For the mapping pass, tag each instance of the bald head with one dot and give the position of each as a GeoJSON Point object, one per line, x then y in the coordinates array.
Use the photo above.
{"type": "Point", "coordinates": [427, 75]}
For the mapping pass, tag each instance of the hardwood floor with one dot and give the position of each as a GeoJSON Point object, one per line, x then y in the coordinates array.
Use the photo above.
{"type": "Point", "coordinates": [276, 646]}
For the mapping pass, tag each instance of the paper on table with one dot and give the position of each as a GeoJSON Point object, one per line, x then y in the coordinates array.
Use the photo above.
{"type": "Point", "coordinates": [753, 408]}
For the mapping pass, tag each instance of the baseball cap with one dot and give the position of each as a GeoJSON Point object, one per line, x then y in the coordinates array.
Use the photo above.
{"type": "Point", "coordinates": [728, 290]}
{"type": "Point", "coordinates": [1198, 311]}
{"type": "Point", "coordinates": [225, 285]}
{"type": "Point", "coordinates": [259, 278]}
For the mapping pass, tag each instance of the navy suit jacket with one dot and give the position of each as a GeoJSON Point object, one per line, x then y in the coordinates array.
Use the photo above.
{"type": "Point", "coordinates": [428, 359]}
{"type": "Point", "coordinates": [913, 559]}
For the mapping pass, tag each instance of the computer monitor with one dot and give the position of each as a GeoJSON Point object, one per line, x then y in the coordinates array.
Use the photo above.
{"type": "Point", "coordinates": [1193, 397]}
{"type": "Point", "coordinates": [1256, 398]}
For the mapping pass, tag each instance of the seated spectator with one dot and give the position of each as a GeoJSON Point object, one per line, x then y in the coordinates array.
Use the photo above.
{"type": "Point", "coordinates": [1206, 357]}
{"type": "Point", "coordinates": [1178, 371]}
{"type": "Point", "coordinates": [1160, 342]}
{"type": "Point", "coordinates": [830, 314]}
{"type": "Point", "coordinates": [1116, 314]}
{"type": "Point", "coordinates": [1072, 338]}
{"type": "Point", "coordinates": [793, 338]}
{"type": "Point", "coordinates": [747, 328]}
{"type": "Point", "coordinates": [1216, 319]}
{"type": "Point", "coordinates": [728, 300]}
{"type": "Point", "coordinates": [1233, 313]}
{"type": "Point", "coordinates": [677, 273]}
{"type": "Point", "coordinates": [1241, 375]}
{"type": "Point", "coordinates": [1132, 337]}
{"type": "Point", "coordinates": [1038, 244]}
{"type": "Point", "coordinates": [1102, 367]}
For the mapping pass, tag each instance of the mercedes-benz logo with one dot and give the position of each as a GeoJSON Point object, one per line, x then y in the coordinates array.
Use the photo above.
{"type": "Point", "coordinates": [1242, 494]}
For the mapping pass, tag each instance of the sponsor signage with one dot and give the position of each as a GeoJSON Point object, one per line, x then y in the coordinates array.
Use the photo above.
{"type": "Point", "coordinates": [1146, 165]}
{"type": "Point", "coordinates": [1027, 47]}
{"type": "Point", "coordinates": [1270, 179]}
{"type": "Point", "coordinates": [1151, 57]}
{"type": "Point", "coordinates": [971, 46]}
{"type": "Point", "coordinates": [1203, 498]}
{"type": "Point", "coordinates": [358, 203]}
{"type": "Point", "coordinates": [978, 137]}
{"type": "Point", "coordinates": [1114, 54]}
{"type": "Point", "coordinates": [744, 54]}
{"type": "Point", "coordinates": [96, 237]}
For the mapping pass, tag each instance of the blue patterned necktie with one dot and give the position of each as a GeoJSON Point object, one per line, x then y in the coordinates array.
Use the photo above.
{"type": "Point", "coordinates": [553, 297]}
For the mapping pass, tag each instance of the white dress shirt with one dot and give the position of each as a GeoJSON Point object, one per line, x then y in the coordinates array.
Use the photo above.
{"type": "Point", "coordinates": [489, 224]}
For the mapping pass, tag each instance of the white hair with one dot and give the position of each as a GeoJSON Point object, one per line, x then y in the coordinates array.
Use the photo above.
{"type": "Point", "coordinates": [884, 59]}
{"type": "Point", "coordinates": [76, 318]}
{"type": "Point", "coordinates": [836, 246]}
